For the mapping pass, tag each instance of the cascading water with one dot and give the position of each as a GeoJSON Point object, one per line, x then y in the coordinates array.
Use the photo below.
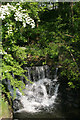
{"type": "Point", "coordinates": [41, 94]}
{"type": "Point", "coordinates": [47, 97]}
{"type": "Point", "coordinates": [37, 73]}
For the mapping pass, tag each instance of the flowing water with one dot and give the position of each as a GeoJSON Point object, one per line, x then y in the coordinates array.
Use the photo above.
{"type": "Point", "coordinates": [42, 99]}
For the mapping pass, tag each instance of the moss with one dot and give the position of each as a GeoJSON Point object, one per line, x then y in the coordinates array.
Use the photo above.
{"type": "Point", "coordinates": [5, 109]}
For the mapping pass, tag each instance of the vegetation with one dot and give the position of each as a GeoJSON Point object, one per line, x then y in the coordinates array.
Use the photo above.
{"type": "Point", "coordinates": [4, 109]}
{"type": "Point", "coordinates": [31, 33]}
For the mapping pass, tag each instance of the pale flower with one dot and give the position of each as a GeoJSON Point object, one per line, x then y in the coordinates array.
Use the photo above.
{"type": "Point", "coordinates": [32, 24]}
{"type": "Point", "coordinates": [18, 4]}
{"type": "Point", "coordinates": [19, 8]}
{"type": "Point", "coordinates": [24, 24]}
{"type": "Point", "coordinates": [7, 13]}
{"type": "Point", "coordinates": [6, 8]}
{"type": "Point", "coordinates": [8, 48]}
{"type": "Point", "coordinates": [1, 52]}
{"type": "Point", "coordinates": [5, 53]}
{"type": "Point", "coordinates": [8, 4]}
{"type": "Point", "coordinates": [16, 18]}
{"type": "Point", "coordinates": [19, 15]}
{"type": "Point", "coordinates": [8, 32]}
{"type": "Point", "coordinates": [2, 17]}
{"type": "Point", "coordinates": [20, 19]}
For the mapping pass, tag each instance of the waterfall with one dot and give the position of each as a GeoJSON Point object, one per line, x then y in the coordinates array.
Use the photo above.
{"type": "Point", "coordinates": [36, 73]}
{"type": "Point", "coordinates": [29, 77]}
{"type": "Point", "coordinates": [39, 95]}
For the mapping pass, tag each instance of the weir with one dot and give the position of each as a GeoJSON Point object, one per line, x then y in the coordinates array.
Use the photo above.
{"type": "Point", "coordinates": [47, 97]}
{"type": "Point", "coordinates": [37, 72]}
{"type": "Point", "coordinates": [41, 94]}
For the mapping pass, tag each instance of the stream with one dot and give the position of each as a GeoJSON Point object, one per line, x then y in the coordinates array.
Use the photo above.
{"type": "Point", "coordinates": [46, 97]}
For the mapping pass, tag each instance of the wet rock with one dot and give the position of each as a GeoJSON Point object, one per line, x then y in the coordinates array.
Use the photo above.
{"type": "Point", "coordinates": [17, 105]}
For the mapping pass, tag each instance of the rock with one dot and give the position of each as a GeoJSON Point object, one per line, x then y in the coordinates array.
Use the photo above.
{"type": "Point", "coordinates": [17, 105]}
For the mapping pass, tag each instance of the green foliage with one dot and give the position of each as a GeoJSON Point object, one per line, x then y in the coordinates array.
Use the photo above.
{"type": "Point", "coordinates": [32, 33]}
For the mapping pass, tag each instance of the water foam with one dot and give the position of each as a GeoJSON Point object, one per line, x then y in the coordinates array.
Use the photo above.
{"type": "Point", "coordinates": [39, 95]}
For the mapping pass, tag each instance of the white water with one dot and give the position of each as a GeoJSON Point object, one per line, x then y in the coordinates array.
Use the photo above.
{"type": "Point", "coordinates": [37, 73]}
{"type": "Point", "coordinates": [40, 94]}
